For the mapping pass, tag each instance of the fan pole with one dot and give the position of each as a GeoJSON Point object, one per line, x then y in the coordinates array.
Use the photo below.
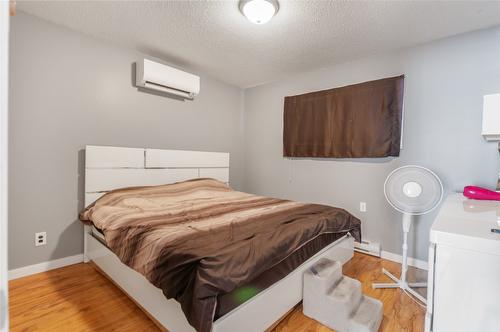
{"type": "Point", "coordinates": [401, 282]}
{"type": "Point", "coordinates": [407, 218]}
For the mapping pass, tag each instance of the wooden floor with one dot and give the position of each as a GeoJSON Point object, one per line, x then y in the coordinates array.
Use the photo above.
{"type": "Point", "coordinates": [78, 298]}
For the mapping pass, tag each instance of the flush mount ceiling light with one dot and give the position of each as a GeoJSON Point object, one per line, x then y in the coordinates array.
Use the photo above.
{"type": "Point", "coordinates": [259, 11]}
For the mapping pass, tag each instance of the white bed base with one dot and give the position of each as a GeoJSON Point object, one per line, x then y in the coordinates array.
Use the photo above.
{"type": "Point", "coordinates": [109, 168]}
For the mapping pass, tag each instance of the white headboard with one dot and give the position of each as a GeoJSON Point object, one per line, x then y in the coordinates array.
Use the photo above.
{"type": "Point", "coordinates": [108, 168]}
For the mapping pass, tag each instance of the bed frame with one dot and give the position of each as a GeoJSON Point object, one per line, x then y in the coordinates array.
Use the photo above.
{"type": "Point", "coordinates": [108, 168]}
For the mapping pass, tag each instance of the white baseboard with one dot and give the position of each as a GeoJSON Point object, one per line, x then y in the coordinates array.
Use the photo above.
{"type": "Point", "coordinates": [44, 266]}
{"type": "Point", "coordinates": [420, 264]}
{"type": "Point", "coordinates": [57, 263]}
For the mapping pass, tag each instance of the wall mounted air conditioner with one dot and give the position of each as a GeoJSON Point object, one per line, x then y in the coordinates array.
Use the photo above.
{"type": "Point", "coordinates": [157, 76]}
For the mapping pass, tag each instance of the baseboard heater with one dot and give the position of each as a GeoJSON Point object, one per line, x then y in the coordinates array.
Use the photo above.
{"type": "Point", "coordinates": [368, 247]}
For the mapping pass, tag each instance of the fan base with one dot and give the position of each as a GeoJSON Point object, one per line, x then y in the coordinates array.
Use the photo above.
{"type": "Point", "coordinates": [406, 286]}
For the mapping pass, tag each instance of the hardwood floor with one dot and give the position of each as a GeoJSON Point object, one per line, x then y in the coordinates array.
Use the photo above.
{"type": "Point", "coordinates": [73, 298]}
{"type": "Point", "coordinates": [78, 298]}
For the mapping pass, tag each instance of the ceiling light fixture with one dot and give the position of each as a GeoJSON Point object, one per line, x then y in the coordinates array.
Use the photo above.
{"type": "Point", "coordinates": [259, 11]}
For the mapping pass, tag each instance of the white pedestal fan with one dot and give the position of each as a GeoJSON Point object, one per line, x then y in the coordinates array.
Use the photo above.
{"type": "Point", "coordinates": [412, 190]}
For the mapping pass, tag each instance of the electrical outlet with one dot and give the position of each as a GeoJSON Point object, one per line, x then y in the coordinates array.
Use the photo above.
{"type": "Point", "coordinates": [40, 239]}
{"type": "Point", "coordinates": [362, 206]}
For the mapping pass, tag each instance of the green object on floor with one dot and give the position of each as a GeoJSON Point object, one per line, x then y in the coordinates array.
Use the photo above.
{"type": "Point", "coordinates": [244, 294]}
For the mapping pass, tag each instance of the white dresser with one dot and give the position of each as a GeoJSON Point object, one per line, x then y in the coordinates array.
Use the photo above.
{"type": "Point", "coordinates": [464, 267]}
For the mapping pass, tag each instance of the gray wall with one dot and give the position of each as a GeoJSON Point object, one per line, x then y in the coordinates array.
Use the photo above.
{"type": "Point", "coordinates": [444, 85]}
{"type": "Point", "coordinates": [69, 90]}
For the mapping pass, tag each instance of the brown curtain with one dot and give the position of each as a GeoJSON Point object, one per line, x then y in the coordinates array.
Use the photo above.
{"type": "Point", "coordinates": [356, 121]}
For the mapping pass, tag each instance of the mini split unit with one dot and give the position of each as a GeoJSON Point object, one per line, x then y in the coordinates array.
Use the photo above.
{"type": "Point", "coordinates": [157, 76]}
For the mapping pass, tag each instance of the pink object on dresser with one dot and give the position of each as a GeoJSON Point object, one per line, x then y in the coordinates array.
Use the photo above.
{"type": "Point", "coordinates": [479, 193]}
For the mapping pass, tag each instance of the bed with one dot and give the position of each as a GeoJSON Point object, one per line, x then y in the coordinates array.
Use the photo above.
{"type": "Point", "coordinates": [234, 261]}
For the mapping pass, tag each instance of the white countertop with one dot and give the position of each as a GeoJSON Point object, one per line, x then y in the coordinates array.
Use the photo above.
{"type": "Point", "coordinates": [467, 224]}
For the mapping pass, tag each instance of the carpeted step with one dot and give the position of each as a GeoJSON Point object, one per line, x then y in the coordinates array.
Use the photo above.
{"type": "Point", "coordinates": [368, 316]}
{"type": "Point", "coordinates": [337, 301]}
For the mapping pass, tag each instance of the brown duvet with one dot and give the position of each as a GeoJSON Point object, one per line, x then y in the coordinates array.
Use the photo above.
{"type": "Point", "coordinates": [199, 239]}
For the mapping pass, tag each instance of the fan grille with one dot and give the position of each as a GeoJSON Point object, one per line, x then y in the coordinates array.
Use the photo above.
{"type": "Point", "coordinates": [431, 190]}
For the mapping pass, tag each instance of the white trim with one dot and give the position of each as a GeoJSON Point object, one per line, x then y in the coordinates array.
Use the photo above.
{"type": "Point", "coordinates": [4, 123]}
{"type": "Point", "coordinates": [44, 266]}
{"type": "Point", "coordinates": [70, 260]}
{"type": "Point", "coordinates": [367, 247]}
{"type": "Point", "coordinates": [418, 263]}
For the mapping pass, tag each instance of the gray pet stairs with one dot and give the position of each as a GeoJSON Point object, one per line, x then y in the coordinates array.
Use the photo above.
{"type": "Point", "coordinates": [336, 301]}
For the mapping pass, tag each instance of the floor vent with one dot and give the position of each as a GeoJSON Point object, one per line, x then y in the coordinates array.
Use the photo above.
{"type": "Point", "coordinates": [368, 247]}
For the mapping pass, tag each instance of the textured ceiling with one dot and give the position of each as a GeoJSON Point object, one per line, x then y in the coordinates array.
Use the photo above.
{"type": "Point", "coordinates": [213, 36]}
